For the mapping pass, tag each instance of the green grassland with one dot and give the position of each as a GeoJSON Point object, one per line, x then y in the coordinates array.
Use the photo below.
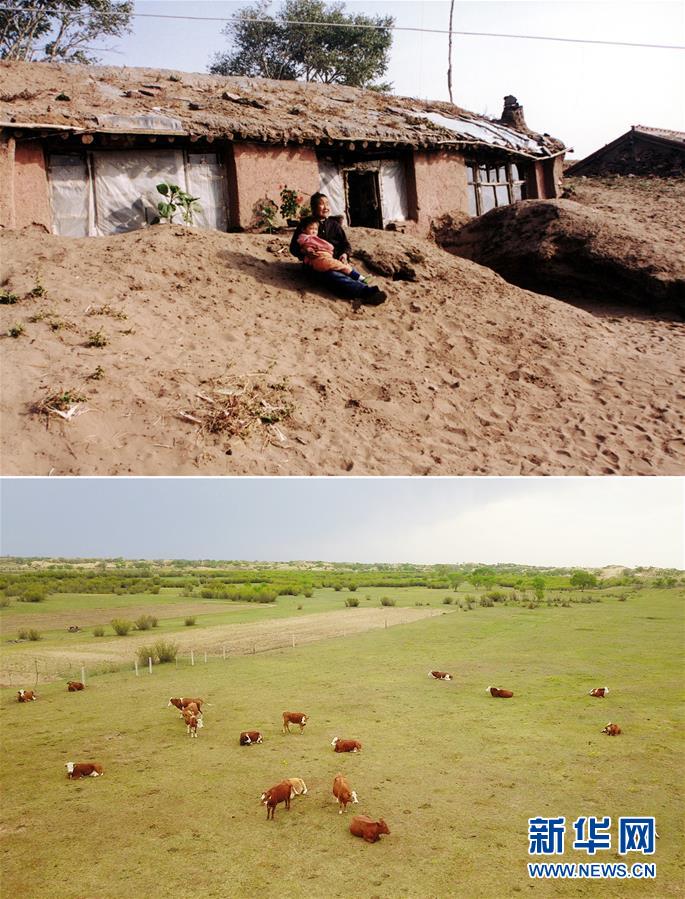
{"type": "Point", "coordinates": [455, 773]}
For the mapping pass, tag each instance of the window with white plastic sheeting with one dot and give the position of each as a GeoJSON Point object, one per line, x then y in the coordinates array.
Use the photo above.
{"type": "Point", "coordinates": [491, 186]}
{"type": "Point", "coordinates": [71, 195]}
{"type": "Point", "coordinates": [332, 184]}
{"type": "Point", "coordinates": [126, 182]}
{"type": "Point", "coordinates": [111, 191]}
{"type": "Point", "coordinates": [393, 191]}
{"type": "Point", "coordinates": [207, 182]}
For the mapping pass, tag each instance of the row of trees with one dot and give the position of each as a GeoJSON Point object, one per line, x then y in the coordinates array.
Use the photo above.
{"type": "Point", "coordinates": [337, 48]}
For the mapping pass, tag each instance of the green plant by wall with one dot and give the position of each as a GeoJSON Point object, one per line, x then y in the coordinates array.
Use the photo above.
{"type": "Point", "coordinates": [177, 200]}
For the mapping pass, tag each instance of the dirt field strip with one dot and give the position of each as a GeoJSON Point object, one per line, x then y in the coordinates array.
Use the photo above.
{"type": "Point", "coordinates": [239, 639]}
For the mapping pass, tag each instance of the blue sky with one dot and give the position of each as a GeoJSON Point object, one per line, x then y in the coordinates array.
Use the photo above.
{"type": "Point", "coordinates": [586, 95]}
{"type": "Point", "coordinates": [543, 521]}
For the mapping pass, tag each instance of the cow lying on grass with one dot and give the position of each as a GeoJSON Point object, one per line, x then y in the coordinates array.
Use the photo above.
{"type": "Point", "coordinates": [346, 745]}
{"type": "Point", "coordinates": [600, 692]}
{"type": "Point", "coordinates": [26, 696]}
{"type": "Point", "coordinates": [297, 787]}
{"type": "Point", "coordinates": [368, 829]}
{"type": "Point", "coordinates": [75, 770]}
{"type": "Point", "coordinates": [343, 793]}
{"type": "Point", "coordinates": [498, 693]}
{"type": "Point", "coordinates": [73, 686]}
{"type": "Point", "coordinates": [298, 718]}
{"type": "Point", "coordinates": [248, 737]}
{"type": "Point", "coordinates": [440, 675]}
{"type": "Point", "coordinates": [613, 730]}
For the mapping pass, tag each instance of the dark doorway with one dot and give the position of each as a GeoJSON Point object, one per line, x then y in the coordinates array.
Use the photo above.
{"type": "Point", "coordinates": [364, 200]}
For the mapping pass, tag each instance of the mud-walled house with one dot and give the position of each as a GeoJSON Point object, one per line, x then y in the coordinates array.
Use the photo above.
{"type": "Point", "coordinates": [82, 149]}
{"type": "Point", "coordinates": [640, 151]}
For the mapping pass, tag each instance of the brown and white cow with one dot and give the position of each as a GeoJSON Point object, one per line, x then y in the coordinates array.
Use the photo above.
{"type": "Point", "coordinates": [613, 730]}
{"type": "Point", "coordinates": [282, 792]}
{"type": "Point", "coordinates": [600, 692]}
{"type": "Point", "coordinates": [368, 829]}
{"type": "Point", "coordinates": [298, 718]}
{"type": "Point", "coordinates": [73, 686]}
{"type": "Point", "coordinates": [497, 692]}
{"type": "Point", "coordinates": [83, 769]}
{"type": "Point", "coordinates": [440, 675]}
{"type": "Point", "coordinates": [181, 703]}
{"type": "Point", "coordinates": [26, 696]}
{"type": "Point", "coordinates": [343, 793]}
{"type": "Point", "coordinates": [346, 745]}
{"type": "Point", "coordinates": [192, 720]}
{"type": "Point", "coordinates": [297, 787]}
{"type": "Point", "coordinates": [248, 737]}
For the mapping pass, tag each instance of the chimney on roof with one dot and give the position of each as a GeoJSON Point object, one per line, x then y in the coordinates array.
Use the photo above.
{"type": "Point", "coordinates": [512, 114]}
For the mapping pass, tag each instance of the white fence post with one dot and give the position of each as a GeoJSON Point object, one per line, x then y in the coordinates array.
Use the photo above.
{"type": "Point", "coordinates": [135, 662]}
{"type": "Point", "coordinates": [83, 675]}
{"type": "Point", "coordinates": [192, 657]}
{"type": "Point", "coordinates": [149, 663]}
{"type": "Point", "coordinates": [205, 658]}
{"type": "Point", "coordinates": [293, 641]}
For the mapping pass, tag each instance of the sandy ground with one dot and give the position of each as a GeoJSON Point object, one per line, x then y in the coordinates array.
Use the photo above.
{"type": "Point", "coordinates": [239, 639]}
{"type": "Point", "coordinates": [221, 359]}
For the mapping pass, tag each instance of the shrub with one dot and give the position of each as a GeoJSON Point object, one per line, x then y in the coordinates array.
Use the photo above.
{"type": "Point", "coordinates": [352, 602]}
{"type": "Point", "coordinates": [145, 622]}
{"type": "Point", "coordinates": [160, 652]}
{"type": "Point", "coordinates": [16, 331]}
{"type": "Point", "coordinates": [97, 339]}
{"type": "Point", "coordinates": [4, 602]}
{"type": "Point", "coordinates": [32, 596]}
{"type": "Point", "coordinates": [34, 635]}
{"type": "Point", "coordinates": [190, 621]}
{"type": "Point", "coordinates": [99, 631]}
{"type": "Point", "coordinates": [121, 626]}
{"type": "Point", "coordinates": [447, 601]}
{"type": "Point", "coordinates": [386, 601]}
{"type": "Point", "coordinates": [22, 635]}
{"type": "Point", "coordinates": [487, 601]}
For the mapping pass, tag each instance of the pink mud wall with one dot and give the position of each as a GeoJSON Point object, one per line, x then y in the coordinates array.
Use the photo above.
{"type": "Point", "coordinates": [439, 186]}
{"type": "Point", "coordinates": [7, 217]}
{"type": "Point", "coordinates": [31, 191]}
{"type": "Point", "coordinates": [261, 170]}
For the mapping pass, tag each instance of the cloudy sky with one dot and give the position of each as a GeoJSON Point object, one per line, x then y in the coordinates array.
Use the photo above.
{"type": "Point", "coordinates": [586, 94]}
{"type": "Point", "coordinates": [541, 521]}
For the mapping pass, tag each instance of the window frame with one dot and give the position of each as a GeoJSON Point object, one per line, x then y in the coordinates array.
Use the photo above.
{"type": "Point", "coordinates": [485, 175]}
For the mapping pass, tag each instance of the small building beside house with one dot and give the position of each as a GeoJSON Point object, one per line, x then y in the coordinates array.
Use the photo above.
{"type": "Point", "coordinates": [82, 149]}
{"type": "Point", "coordinates": [640, 151]}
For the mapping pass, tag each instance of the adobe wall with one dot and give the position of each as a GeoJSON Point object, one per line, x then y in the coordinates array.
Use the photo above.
{"type": "Point", "coordinates": [261, 170]}
{"type": "Point", "coordinates": [440, 185]}
{"type": "Point", "coordinates": [543, 179]}
{"type": "Point", "coordinates": [31, 191]}
{"type": "Point", "coordinates": [7, 217]}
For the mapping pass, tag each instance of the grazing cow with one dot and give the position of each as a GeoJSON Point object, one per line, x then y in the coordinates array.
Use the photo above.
{"type": "Point", "coordinates": [601, 692]}
{"type": "Point", "coordinates": [26, 695]}
{"type": "Point", "coordinates": [248, 737]}
{"type": "Point", "coordinates": [192, 722]}
{"type": "Point", "coordinates": [343, 793]}
{"type": "Point", "coordinates": [73, 629]}
{"type": "Point", "coordinates": [73, 686]}
{"type": "Point", "coordinates": [181, 704]}
{"type": "Point", "coordinates": [368, 829]}
{"type": "Point", "coordinates": [440, 675]}
{"type": "Point", "coordinates": [346, 745]}
{"type": "Point", "coordinates": [298, 718]}
{"type": "Point", "coordinates": [297, 787]}
{"type": "Point", "coordinates": [498, 693]}
{"type": "Point", "coordinates": [83, 769]}
{"type": "Point", "coordinates": [282, 792]}
{"type": "Point", "coordinates": [613, 730]}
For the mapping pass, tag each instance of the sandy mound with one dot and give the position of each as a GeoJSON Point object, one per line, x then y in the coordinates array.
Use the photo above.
{"type": "Point", "coordinates": [564, 249]}
{"type": "Point", "coordinates": [187, 352]}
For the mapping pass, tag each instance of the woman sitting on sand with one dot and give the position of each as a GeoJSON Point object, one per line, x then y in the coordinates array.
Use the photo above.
{"type": "Point", "coordinates": [326, 258]}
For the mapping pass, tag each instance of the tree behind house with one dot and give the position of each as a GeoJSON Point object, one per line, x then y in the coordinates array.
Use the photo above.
{"type": "Point", "coordinates": [60, 30]}
{"type": "Point", "coordinates": [275, 48]}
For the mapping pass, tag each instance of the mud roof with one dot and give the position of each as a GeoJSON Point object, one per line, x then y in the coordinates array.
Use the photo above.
{"type": "Point", "coordinates": [161, 101]}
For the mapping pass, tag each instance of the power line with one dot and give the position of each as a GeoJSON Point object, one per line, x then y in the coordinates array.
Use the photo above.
{"type": "Point", "coordinates": [524, 37]}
